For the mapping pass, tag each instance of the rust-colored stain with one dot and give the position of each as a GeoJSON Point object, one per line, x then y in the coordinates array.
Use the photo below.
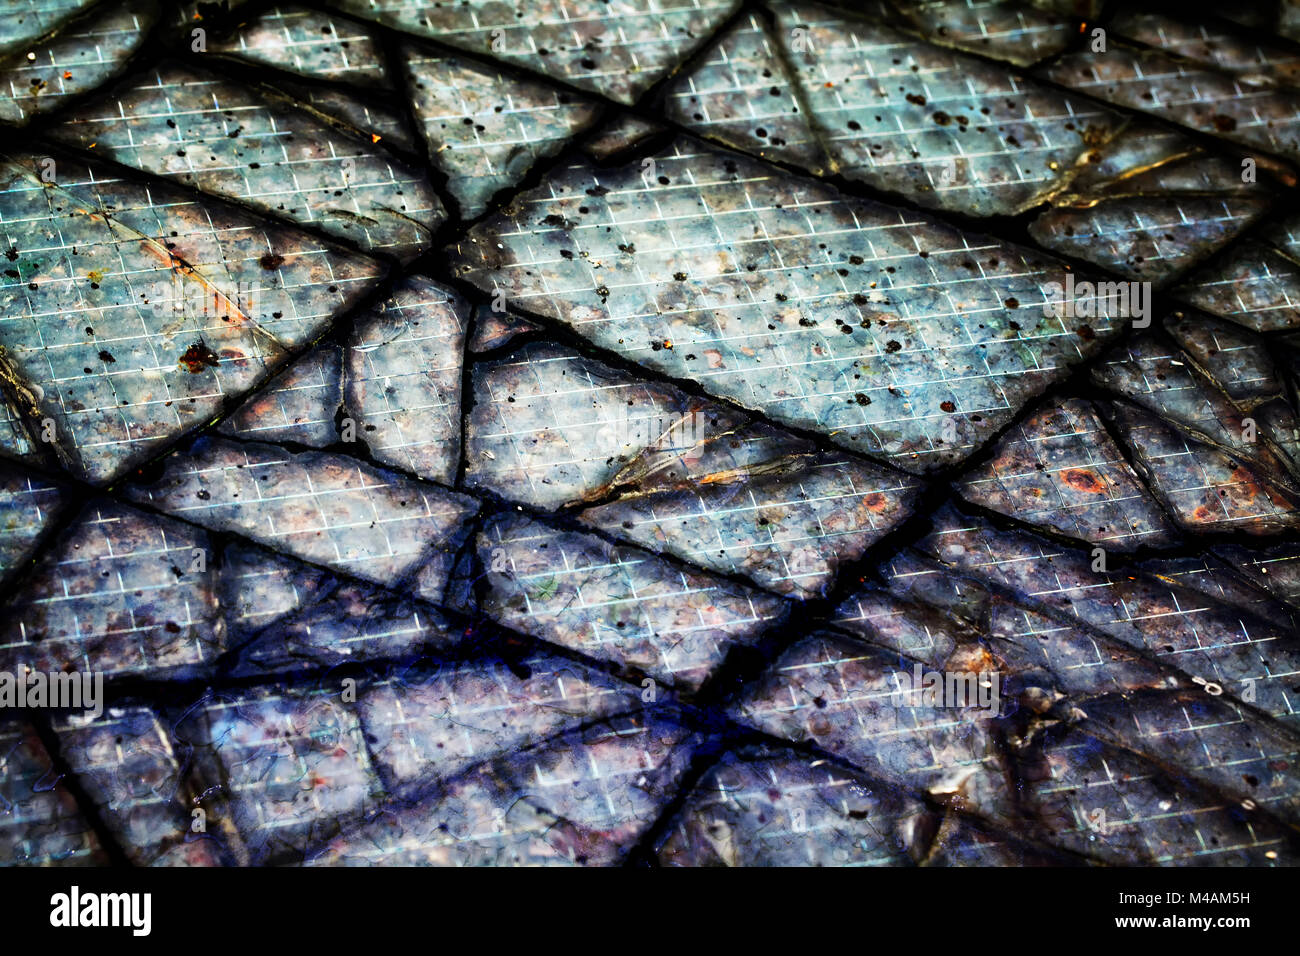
{"type": "Point", "coordinates": [198, 357]}
{"type": "Point", "coordinates": [1252, 487]}
{"type": "Point", "coordinates": [1081, 480]}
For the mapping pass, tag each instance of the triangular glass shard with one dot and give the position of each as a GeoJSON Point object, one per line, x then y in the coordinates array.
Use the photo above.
{"type": "Point", "coordinates": [618, 48]}
{"type": "Point", "coordinates": [299, 405]}
{"type": "Point", "coordinates": [82, 55]}
{"type": "Point", "coordinates": [741, 95]}
{"type": "Point", "coordinates": [485, 128]}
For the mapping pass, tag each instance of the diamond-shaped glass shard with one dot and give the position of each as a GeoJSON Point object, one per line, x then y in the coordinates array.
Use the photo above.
{"type": "Point", "coordinates": [889, 332]}
{"type": "Point", "coordinates": [1206, 488]}
{"type": "Point", "coordinates": [131, 312]}
{"type": "Point", "coordinates": [1146, 238]}
{"type": "Point", "coordinates": [618, 48]}
{"type": "Point", "coordinates": [224, 138]}
{"type": "Point", "coordinates": [1218, 453]}
{"type": "Point", "coordinates": [1252, 284]}
{"type": "Point", "coordinates": [1236, 360]}
{"type": "Point", "coordinates": [961, 625]}
{"type": "Point", "coordinates": [1118, 808]}
{"type": "Point", "coordinates": [1220, 743]}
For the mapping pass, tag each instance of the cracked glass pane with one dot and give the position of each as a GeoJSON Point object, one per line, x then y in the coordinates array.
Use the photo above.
{"type": "Point", "coordinates": [122, 591]}
{"type": "Point", "coordinates": [579, 798]}
{"type": "Point", "coordinates": [1218, 85]}
{"type": "Point", "coordinates": [1149, 204]}
{"type": "Point", "coordinates": [29, 19]}
{"type": "Point", "coordinates": [649, 433]}
{"type": "Point", "coordinates": [27, 506]}
{"type": "Point", "coordinates": [1255, 282]}
{"type": "Point", "coordinates": [948, 130]}
{"type": "Point", "coordinates": [1142, 610]}
{"type": "Point", "coordinates": [1061, 470]}
{"type": "Point", "coordinates": [787, 810]}
{"type": "Point", "coordinates": [126, 763]}
{"type": "Point", "coordinates": [1005, 31]}
{"type": "Point", "coordinates": [357, 114]}
{"type": "Point", "coordinates": [40, 824]}
{"type": "Point", "coordinates": [284, 769]}
{"type": "Point", "coordinates": [436, 724]}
